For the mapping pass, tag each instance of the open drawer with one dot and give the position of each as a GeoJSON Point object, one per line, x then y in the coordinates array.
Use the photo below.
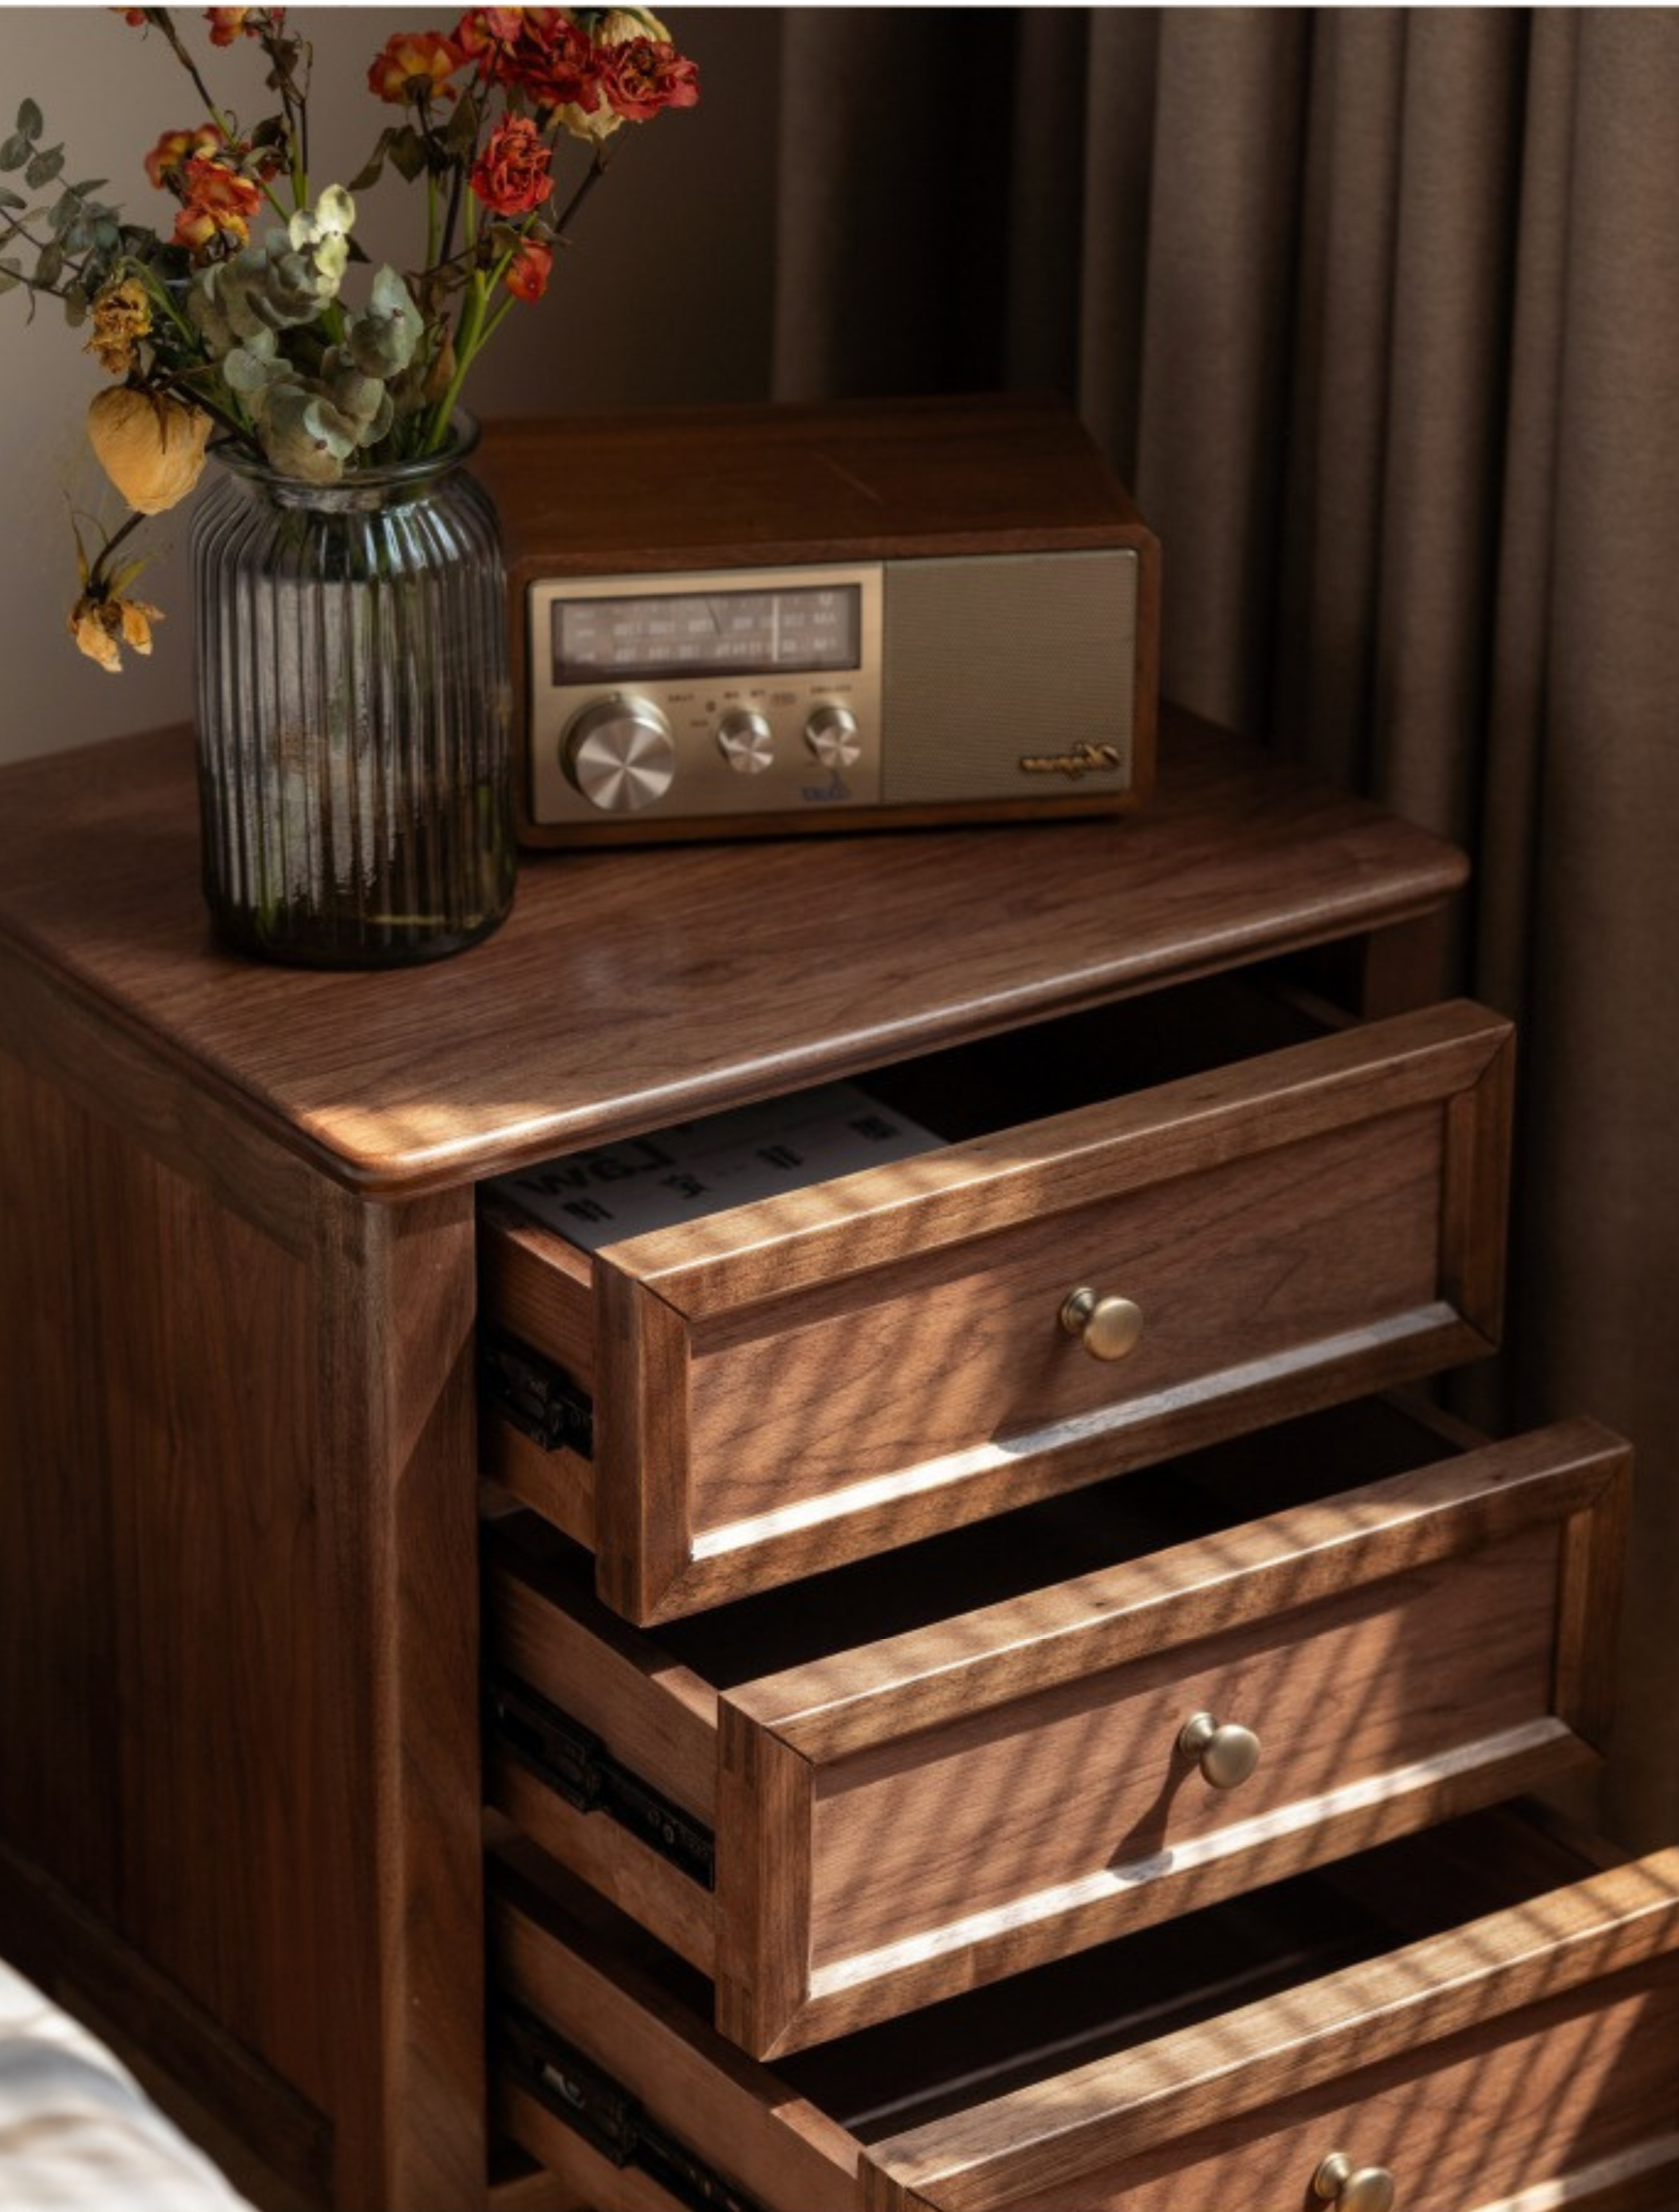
{"type": "Point", "coordinates": [927, 1770]}
{"type": "Point", "coordinates": [1262, 1218]}
{"type": "Point", "coordinates": [1475, 2020]}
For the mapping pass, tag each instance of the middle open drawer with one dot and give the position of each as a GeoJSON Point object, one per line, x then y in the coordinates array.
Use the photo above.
{"type": "Point", "coordinates": [923, 1772]}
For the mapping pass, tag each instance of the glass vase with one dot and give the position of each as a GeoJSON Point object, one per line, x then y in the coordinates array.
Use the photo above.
{"type": "Point", "coordinates": [353, 710]}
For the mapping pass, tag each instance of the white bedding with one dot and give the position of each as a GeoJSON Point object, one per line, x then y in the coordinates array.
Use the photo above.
{"type": "Point", "coordinates": [76, 2129]}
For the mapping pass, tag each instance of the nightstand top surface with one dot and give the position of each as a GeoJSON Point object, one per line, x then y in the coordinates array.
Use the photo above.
{"type": "Point", "coordinates": [634, 989]}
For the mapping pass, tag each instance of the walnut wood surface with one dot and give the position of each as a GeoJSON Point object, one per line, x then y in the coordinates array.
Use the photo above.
{"type": "Point", "coordinates": [1021, 2149]}
{"type": "Point", "coordinates": [916, 1814]}
{"type": "Point", "coordinates": [1524, 2061]}
{"type": "Point", "coordinates": [630, 990]}
{"type": "Point", "coordinates": [1567, 2085]}
{"type": "Point", "coordinates": [835, 1369]}
{"type": "Point", "coordinates": [239, 1694]}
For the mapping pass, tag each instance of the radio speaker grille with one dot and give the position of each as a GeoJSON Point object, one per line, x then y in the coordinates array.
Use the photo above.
{"type": "Point", "coordinates": [991, 659]}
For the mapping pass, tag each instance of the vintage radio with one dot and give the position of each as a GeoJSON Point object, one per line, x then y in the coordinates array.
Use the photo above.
{"type": "Point", "coordinates": [736, 622]}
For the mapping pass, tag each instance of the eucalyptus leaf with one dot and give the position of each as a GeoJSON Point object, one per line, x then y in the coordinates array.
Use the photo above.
{"type": "Point", "coordinates": [64, 212]}
{"type": "Point", "coordinates": [107, 237]}
{"type": "Point", "coordinates": [30, 121]}
{"type": "Point", "coordinates": [16, 151]}
{"type": "Point", "coordinates": [51, 266]}
{"type": "Point", "coordinates": [75, 306]}
{"type": "Point", "coordinates": [44, 168]}
{"type": "Point", "coordinates": [9, 279]}
{"type": "Point", "coordinates": [92, 184]}
{"type": "Point", "coordinates": [10, 199]}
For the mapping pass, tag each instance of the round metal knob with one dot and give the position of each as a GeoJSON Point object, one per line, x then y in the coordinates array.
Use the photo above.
{"type": "Point", "coordinates": [746, 741]}
{"type": "Point", "coordinates": [832, 735]}
{"type": "Point", "coordinates": [621, 754]}
{"type": "Point", "coordinates": [1227, 1753]}
{"type": "Point", "coordinates": [1107, 1327]}
{"type": "Point", "coordinates": [1369, 2189]}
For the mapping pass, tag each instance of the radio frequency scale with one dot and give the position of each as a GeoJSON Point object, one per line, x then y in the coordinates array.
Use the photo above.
{"type": "Point", "coordinates": [749, 621]}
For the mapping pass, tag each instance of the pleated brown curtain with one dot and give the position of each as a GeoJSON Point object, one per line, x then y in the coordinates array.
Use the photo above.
{"type": "Point", "coordinates": [1377, 312]}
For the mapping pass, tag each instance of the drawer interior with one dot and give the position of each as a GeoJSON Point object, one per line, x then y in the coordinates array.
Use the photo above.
{"type": "Point", "coordinates": [887, 2081]}
{"type": "Point", "coordinates": [968, 1091]}
{"type": "Point", "coordinates": [987, 1563]}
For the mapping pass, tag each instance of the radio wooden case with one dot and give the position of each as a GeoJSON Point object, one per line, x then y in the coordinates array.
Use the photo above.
{"type": "Point", "coordinates": [757, 621]}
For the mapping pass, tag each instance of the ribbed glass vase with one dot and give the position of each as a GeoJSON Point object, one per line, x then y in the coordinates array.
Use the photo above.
{"type": "Point", "coordinates": [354, 707]}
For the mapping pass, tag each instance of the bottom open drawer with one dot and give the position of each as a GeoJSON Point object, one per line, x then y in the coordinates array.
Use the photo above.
{"type": "Point", "coordinates": [1483, 2013]}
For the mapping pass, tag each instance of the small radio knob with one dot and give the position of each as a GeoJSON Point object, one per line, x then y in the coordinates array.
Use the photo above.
{"type": "Point", "coordinates": [832, 735]}
{"type": "Point", "coordinates": [621, 754]}
{"type": "Point", "coordinates": [746, 741]}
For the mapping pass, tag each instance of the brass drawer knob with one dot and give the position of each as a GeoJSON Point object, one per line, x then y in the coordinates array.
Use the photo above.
{"type": "Point", "coordinates": [1227, 1754]}
{"type": "Point", "coordinates": [1108, 1328]}
{"type": "Point", "coordinates": [1367, 2189]}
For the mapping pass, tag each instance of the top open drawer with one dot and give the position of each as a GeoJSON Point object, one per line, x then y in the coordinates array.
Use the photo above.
{"type": "Point", "coordinates": [1268, 1216]}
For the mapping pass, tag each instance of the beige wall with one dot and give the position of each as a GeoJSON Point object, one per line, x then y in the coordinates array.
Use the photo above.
{"type": "Point", "coordinates": [665, 297]}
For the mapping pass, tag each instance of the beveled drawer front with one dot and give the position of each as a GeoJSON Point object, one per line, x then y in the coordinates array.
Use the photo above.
{"type": "Point", "coordinates": [925, 1772]}
{"type": "Point", "coordinates": [1472, 2011]}
{"type": "Point", "coordinates": [820, 1375]}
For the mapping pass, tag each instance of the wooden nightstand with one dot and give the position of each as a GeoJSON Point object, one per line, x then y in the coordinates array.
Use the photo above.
{"type": "Point", "coordinates": [854, 1562]}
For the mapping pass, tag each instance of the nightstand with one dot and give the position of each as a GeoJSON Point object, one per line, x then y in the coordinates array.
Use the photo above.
{"type": "Point", "coordinates": [1083, 1735]}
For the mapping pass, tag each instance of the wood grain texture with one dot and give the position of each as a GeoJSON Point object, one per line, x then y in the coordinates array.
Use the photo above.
{"type": "Point", "coordinates": [1523, 2062]}
{"type": "Point", "coordinates": [238, 1548]}
{"type": "Point", "coordinates": [915, 1814]}
{"type": "Point", "coordinates": [400, 1876]}
{"type": "Point", "coordinates": [563, 1953]}
{"type": "Point", "coordinates": [1565, 2086]}
{"type": "Point", "coordinates": [187, 2063]}
{"type": "Point", "coordinates": [766, 1881]}
{"type": "Point", "coordinates": [808, 1377]}
{"type": "Point", "coordinates": [607, 1005]}
{"type": "Point", "coordinates": [544, 1628]}
{"type": "Point", "coordinates": [1024, 2148]}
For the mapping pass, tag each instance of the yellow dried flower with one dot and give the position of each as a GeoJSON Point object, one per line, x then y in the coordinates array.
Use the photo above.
{"type": "Point", "coordinates": [150, 445]}
{"type": "Point", "coordinates": [121, 317]}
{"type": "Point", "coordinates": [102, 623]}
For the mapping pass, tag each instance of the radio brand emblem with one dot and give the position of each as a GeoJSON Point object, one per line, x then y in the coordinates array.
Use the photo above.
{"type": "Point", "coordinates": [1083, 760]}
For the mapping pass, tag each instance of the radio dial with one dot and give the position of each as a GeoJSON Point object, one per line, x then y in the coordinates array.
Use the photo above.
{"type": "Point", "coordinates": [746, 741]}
{"type": "Point", "coordinates": [832, 735]}
{"type": "Point", "coordinates": [621, 754]}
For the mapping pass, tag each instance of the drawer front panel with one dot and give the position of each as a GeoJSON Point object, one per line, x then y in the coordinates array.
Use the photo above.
{"type": "Point", "coordinates": [1242, 1264]}
{"type": "Point", "coordinates": [1083, 1792]}
{"type": "Point", "coordinates": [910, 1816]}
{"type": "Point", "coordinates": [845, 1368]}
{"type": "Point", "coordinates": [1518, 2120]}
{"type": "Point", "coordinates": [1525, 2061]}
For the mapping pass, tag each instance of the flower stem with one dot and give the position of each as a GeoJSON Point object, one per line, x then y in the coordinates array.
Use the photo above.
{"type": "Point", "coordinates": [469, 335]}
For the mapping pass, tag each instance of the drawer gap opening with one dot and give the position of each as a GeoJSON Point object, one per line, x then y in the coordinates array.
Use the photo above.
{"type": "Point", "coordinates": [1130, 1516]}
{"type": "Point", "coordinates": [884, 2080]}
{"type": "Point", "coordinates": [663, 1177]}
{"type": "Point", "coordinates": [889, 2080]}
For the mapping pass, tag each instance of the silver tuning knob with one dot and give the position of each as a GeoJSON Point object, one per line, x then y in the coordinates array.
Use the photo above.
{"type": "Point", "coordinates": [832, 735]}
{"type": "Point", "coordinates": [746, 741]}
{"type": "Point", "coordinates": [620, 754]}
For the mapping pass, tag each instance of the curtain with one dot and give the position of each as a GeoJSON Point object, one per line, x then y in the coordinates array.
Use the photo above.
{"type": "Point", "coordinates": [1376, 312]}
